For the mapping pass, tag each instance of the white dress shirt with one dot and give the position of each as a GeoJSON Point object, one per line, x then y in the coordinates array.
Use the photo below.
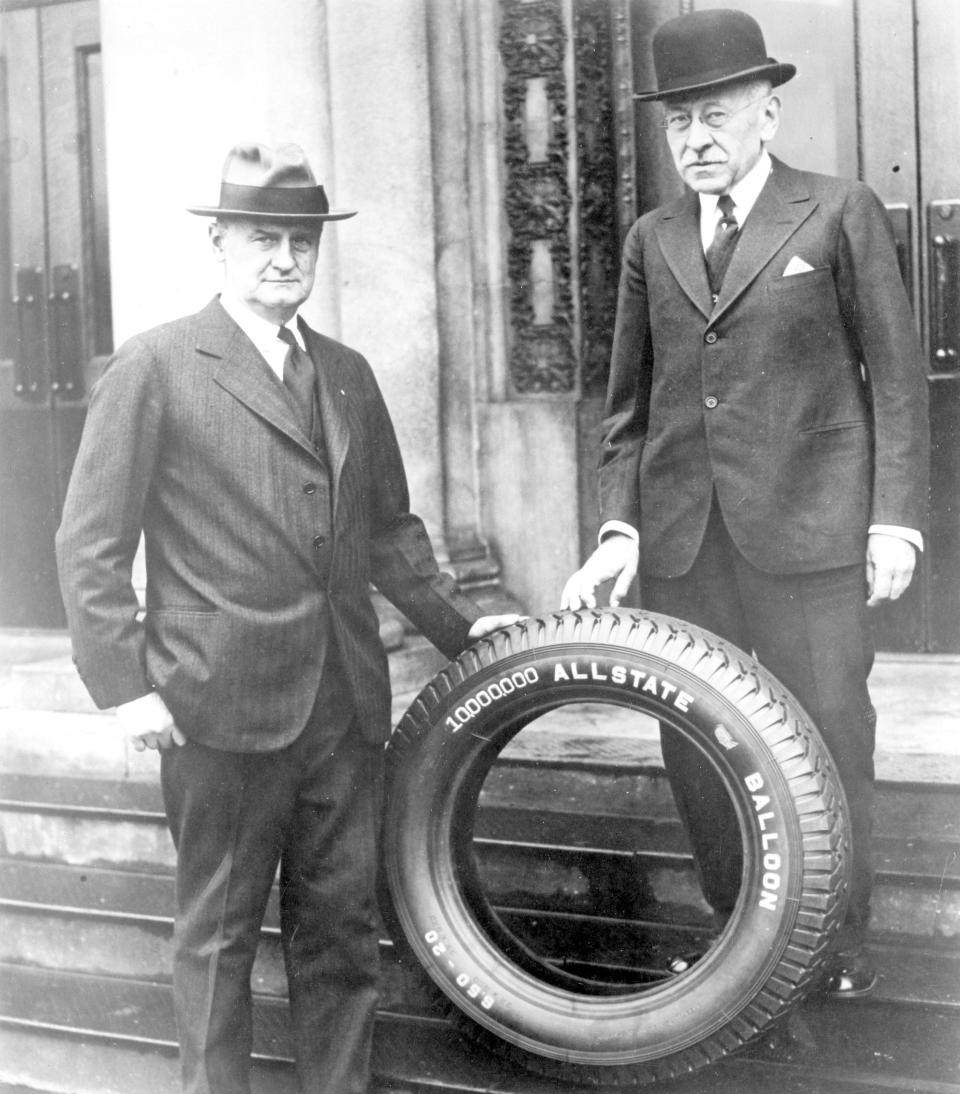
{"type": "Point", "coordinates": [262, 333]}
{"type": "Point", "coordinates": [744, 194]}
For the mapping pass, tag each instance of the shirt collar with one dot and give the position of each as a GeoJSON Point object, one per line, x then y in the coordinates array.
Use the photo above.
{"type": "Point", "coordinates": [261, 332]}
{"type": "Point", "coordinates": [744, 193]}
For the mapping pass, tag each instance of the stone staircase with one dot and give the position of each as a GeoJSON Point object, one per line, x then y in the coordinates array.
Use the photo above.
{"type": "Point", "coordinates": [86, 897]}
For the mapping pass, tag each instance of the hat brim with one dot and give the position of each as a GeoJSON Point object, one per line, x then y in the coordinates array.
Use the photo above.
{"type": "Point", "coordinates": [776, 72]}
{"type": "Point", "coordinates": [246, 214]}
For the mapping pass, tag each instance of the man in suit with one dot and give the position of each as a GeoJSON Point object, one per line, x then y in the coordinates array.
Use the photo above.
{"type": "Point", "coordinates": [258, 460]}
{"type": "Point", "coordinates": [765, 444]}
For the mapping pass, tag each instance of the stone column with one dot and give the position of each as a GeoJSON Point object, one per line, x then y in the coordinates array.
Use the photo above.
{"type": "Point", "coordinates": [453, 202]}
{"type": "Point", "coordinates": [380, 112]}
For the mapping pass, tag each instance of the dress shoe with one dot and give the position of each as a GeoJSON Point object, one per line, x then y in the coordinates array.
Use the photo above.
{"type": "Point", "coordinates": [849, 976]}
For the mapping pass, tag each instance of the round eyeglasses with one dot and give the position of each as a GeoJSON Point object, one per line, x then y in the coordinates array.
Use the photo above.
{"type": "Point", "coordinates": [679, 121]}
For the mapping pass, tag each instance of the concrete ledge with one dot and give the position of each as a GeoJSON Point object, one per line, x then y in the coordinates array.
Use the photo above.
{"type": "Point", "coordinates": [92, 744]}
{"type": "Point", "coordinates": [71, 744]}
{"type": "Point", "coordinates": [47, 717]}
{"type": "Point", "coordinates": [52, 683]}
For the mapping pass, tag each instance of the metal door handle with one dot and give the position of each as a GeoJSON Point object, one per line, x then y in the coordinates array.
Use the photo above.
{"type": "Point", "coordinates": [67, 336]}
{"type": "Point", "coordinates": [944, 228]}
{"type": "Point", "coordinates": [28, 360]}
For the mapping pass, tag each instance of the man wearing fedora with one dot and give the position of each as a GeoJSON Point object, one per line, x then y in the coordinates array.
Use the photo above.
{"type": "Point", "coordinates": [764, 458]}
{"type": "Point", "coordinates": [258, 460]}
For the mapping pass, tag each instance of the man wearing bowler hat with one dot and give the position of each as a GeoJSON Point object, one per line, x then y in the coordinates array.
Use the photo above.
{"type": "Point", "coordinates": [764, 459]}
{"type": "Point", "coordinates": [258, 460]}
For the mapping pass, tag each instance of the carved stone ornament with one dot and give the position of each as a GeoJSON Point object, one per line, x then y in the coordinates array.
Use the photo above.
{"type": "Point", "coordinates": [597, 176]}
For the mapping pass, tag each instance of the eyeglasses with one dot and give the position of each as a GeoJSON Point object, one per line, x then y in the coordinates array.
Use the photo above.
{"type": "Point", "coordinates": [714, 118]}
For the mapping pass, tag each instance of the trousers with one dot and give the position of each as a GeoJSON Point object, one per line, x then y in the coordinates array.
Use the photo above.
{"type": "Point", "coordinates": [314, 808]}
{"type": "Point", "coordinates": [810, 631]}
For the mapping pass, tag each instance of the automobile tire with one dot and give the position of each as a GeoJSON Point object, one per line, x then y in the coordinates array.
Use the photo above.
{"type": "Point", "coordinates": [779, 777]}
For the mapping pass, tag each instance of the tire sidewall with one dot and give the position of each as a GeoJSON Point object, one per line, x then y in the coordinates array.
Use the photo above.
{"type": "Point", "coordinates": [428, 804]}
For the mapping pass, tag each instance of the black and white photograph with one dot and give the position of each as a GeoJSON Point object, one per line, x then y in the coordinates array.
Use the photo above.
{"type": "Point", "coordinates": [479, 546]}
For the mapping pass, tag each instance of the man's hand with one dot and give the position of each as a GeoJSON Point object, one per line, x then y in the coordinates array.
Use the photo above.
{"type": "Point", "coordinates": [158, 739]}
{"type": "Point", "coordinates": [487, 624]}
{"type": "Point", "coordinates": [149, 724]}
{"type": "Point", "coordinates": [617, 557]}
{"type": "Point", "coordinates": [890, 564]}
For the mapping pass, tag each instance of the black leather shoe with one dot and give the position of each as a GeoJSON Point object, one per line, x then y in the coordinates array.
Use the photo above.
{"type": "Point", "coordinates": [849, 976]}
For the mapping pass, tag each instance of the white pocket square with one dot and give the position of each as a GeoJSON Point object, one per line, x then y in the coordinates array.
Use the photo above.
{"type": "Point", "coordinates": [796, 265]}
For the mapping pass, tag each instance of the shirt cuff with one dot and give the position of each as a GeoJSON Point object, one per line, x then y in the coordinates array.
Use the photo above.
{"type": "Point", "coordinates": [609, 527]}
{"type": "Point", "coordinates": [148, 714]}
{"type": "Point", "coordinates": [911, 535]}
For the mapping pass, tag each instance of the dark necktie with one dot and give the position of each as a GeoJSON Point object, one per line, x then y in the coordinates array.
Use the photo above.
{"type": "Point", "coordinates": [299, 378]}
{"type": "Point", "coordinates": [721, 249]}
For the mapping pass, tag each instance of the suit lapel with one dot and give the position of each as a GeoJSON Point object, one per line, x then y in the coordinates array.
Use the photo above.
{"type": "Point", "coordinates": [244, 373]}
{"type": "Point", "coordinates": [783, 205]}
{"type": "Point", "coordinates": [679, 236]}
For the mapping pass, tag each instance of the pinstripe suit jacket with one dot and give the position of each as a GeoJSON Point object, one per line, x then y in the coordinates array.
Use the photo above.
{"type": "Point", "coordinates": [190, 439]}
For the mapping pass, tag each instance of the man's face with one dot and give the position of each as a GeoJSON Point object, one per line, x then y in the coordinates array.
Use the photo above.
{"type": "Point", "coordinates": [268, 264]}
{"type": "Point", "coordinates": [711, 160]}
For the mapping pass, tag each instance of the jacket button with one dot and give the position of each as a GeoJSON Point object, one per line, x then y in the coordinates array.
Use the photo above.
{"type": "Point", "coordinates": [711, 338]}
{"type": "Point", "coordinates": [711, 402]}
{"type": "Point", "coordinates": [319, 541]}
{"type": "Point", "coordinates": [309, 487]}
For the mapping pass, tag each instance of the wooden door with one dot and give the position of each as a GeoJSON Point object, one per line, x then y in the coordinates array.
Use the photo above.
{"type": "Point", "coordinates": [55, 326]}
{"type": "Point", "coordinates": [936, 231]}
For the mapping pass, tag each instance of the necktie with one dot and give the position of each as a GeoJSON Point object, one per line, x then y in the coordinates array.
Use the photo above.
{"type": "Point", "coordinates": [721, 249]}
{"type": "Point", "coordinates": [299, 378]}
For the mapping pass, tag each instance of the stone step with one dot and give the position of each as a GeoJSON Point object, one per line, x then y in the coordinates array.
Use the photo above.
{"type": "Point", "coordinates": [87, 857]}
{"type": "Point", "coordinates": [72, 786]}
{"type": "Point", "coordinates": [117, 1037]}
{"type": "Point", "coordinates": [580, 743]}
{"type": "Point", "coordinates": [573, 797]}
{"type": "Point", "coordinates": [913, 830]}
{"type": "Point", "coordinates": [118, 924]}
{"type": "Point", "coordinates": [917, 698]}
{"type": "Point", "coordinates": [52, 684]}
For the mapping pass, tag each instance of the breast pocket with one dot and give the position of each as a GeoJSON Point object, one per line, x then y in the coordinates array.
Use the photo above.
{"type": "Point", "coordinates": [808, 283]}
{"type": "Point", "coordinates": [802, 320]}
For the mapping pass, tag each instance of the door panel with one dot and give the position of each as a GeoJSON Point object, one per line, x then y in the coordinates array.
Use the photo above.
{"type": "Point", "coordinates": [938, 83]}
{"type": "Point", "coordinates": [53, 254]}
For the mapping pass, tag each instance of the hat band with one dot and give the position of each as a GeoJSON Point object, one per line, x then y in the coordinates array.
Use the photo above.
{"type": "Point", "coordinates": [684, 80]}
{"type": "Point", "coordinates": [279, 200]}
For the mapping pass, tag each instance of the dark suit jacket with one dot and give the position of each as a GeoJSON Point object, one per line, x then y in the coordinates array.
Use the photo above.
{"type": "Point", "coordinates": [800, 399]}
{"type": "Point", "coordinates": [190, 438]}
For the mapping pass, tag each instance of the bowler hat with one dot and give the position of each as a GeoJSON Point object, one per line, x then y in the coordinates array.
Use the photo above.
{"type": "Point", "coordinates": [708, 49]}
{"type": "Point", "coordinates": [270, 184]}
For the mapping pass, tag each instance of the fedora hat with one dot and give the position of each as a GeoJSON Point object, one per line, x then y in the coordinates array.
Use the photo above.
{"type": "Point", "coordinates": [709, 49]}
{"type": "Point", "coordinates": [270, 184]}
